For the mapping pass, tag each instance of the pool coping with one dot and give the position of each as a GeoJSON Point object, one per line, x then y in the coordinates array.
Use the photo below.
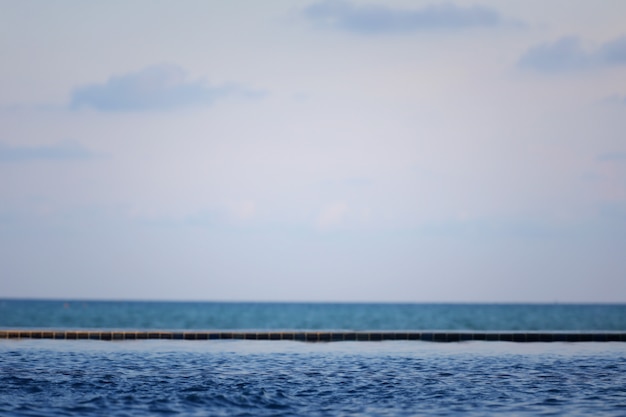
{"type": "Point", "coordinates": [318, 336]}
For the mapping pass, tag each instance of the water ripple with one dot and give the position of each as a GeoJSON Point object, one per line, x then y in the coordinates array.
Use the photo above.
{"type": "Point", "coordinates": [285, 379]}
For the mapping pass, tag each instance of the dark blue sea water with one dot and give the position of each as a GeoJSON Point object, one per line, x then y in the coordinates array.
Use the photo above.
{"type": "Point", "coordinates": [309, 316]}
{"type": "Point", "coordinates": [286, 378]}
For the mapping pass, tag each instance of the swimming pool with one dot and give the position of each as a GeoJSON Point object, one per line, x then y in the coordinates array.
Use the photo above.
{"type": "Point", "coordinates": [284, 378]}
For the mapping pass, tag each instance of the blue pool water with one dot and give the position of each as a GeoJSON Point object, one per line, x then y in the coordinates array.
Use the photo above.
{"type": "Point", "coordinates": [263, 378]}
{"type": "Point", "coordinates": [286, 378]}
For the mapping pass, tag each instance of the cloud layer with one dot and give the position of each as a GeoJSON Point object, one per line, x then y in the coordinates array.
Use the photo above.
{"type": "Point", "coordinates": [568, 54]}
{"type": "Point", "coordinates": [160, 87]}
{"type": "Point", "coordinates": [372, 19]}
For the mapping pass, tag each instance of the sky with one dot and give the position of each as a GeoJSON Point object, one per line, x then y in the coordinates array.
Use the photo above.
{"type": "Point", "coordinates": [392, 151]}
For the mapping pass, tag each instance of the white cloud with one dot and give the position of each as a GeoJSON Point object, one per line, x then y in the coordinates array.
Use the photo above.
{"type": "Point", "coordinates": [371, 19]}
{"type": "Point", "coordinates": [159, 87]}
{"type": "Point", "coordinates": [244, 210]}
{"type": "Point", "coordinates": [569, 54]}
{"type": "Point", "coordinates": [332, 215]}
{"type": "Point", "coordinates": [58, 152]}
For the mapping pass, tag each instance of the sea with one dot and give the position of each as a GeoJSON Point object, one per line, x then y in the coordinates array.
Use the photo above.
{"type": "Point", "coordinates": [289, 378]}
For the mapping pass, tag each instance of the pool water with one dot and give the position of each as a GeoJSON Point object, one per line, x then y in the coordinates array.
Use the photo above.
{"type": "Point", "coordinates": [284, 378]}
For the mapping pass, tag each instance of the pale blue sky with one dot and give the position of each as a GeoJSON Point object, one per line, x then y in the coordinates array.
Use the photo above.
{"type": "Point", "coordinates": [313, 150]}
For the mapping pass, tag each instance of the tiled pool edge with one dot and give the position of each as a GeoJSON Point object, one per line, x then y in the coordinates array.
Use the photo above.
{"type": "Point", "coordinates": [316, 336]}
